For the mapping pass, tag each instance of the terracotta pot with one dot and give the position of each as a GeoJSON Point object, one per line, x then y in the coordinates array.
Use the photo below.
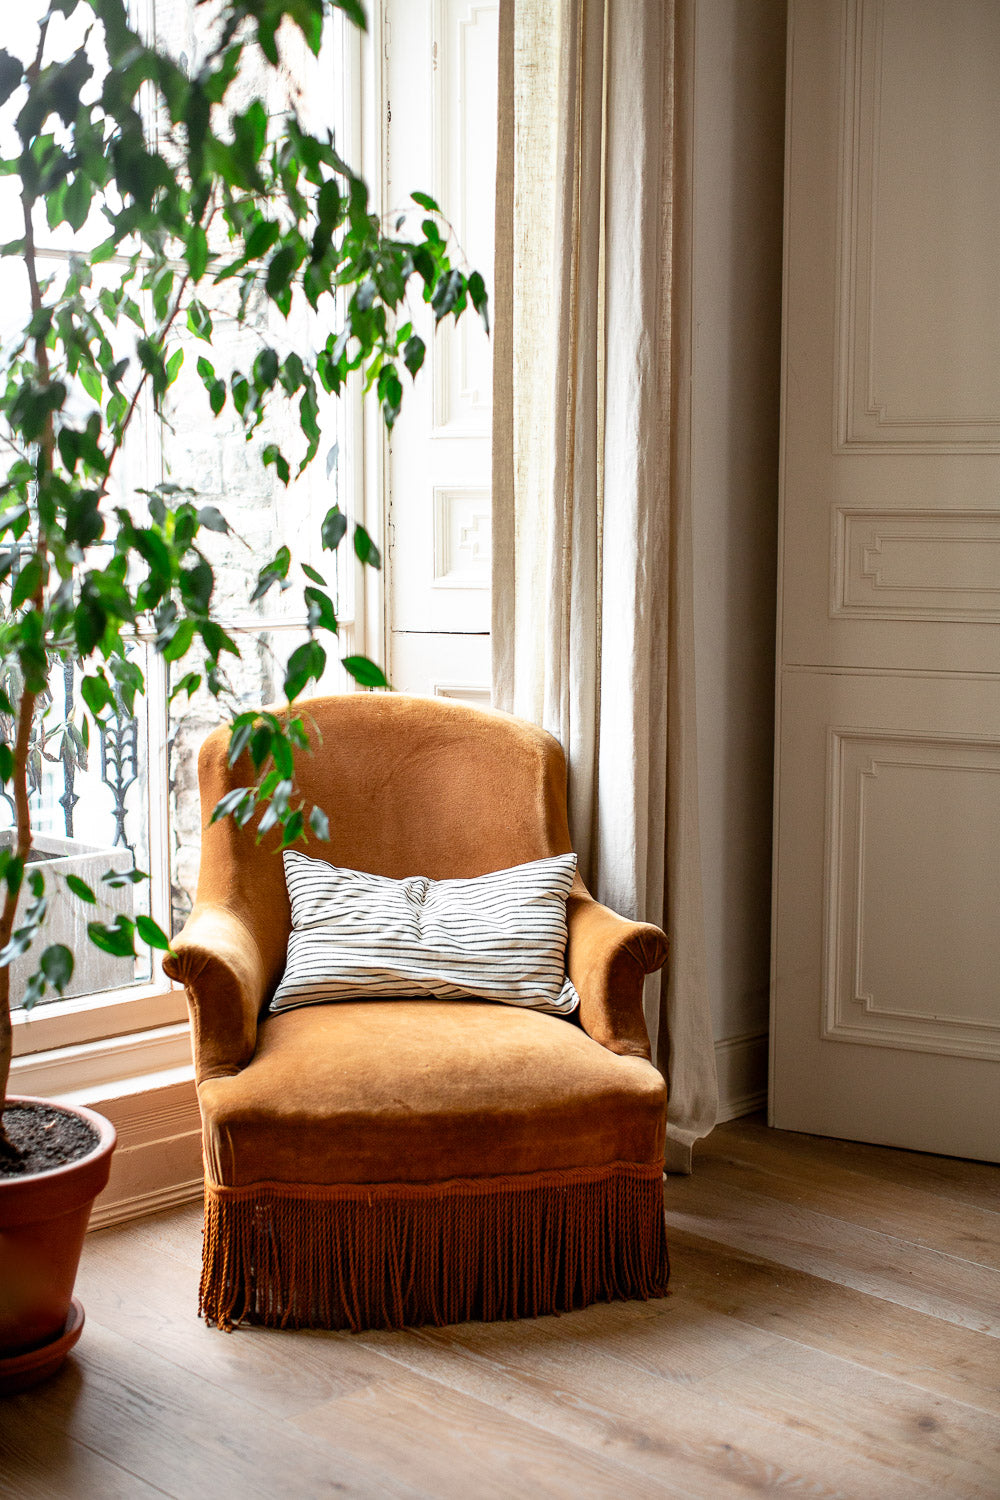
{"type": "Point", "coordinates": [43, 1219]}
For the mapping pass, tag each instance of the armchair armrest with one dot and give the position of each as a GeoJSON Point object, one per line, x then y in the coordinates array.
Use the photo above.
{"type": "Point", "coordinates": [217, 959]}
{"type": "Point", "coordinates": [607, 958]}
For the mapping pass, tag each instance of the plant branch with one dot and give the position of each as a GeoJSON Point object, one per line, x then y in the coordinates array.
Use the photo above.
{"type": "Point", "coordinates": [162, 333]}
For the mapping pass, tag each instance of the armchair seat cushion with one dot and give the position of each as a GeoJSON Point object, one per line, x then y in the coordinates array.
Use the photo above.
{"type": "Point", "coordinates": [420, 1091]}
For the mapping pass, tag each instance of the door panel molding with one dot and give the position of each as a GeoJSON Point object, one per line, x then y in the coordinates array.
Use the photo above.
{"type": "Point", "coordinates": [916, 564]}
{"type": "Point", "coordinates": [903, 383]}
{"type": "Point", "coordinates": [896, 975]}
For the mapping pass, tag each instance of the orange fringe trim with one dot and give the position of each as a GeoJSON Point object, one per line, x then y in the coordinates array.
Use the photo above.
{"type": "Point", "coordinates": [393, 1255]}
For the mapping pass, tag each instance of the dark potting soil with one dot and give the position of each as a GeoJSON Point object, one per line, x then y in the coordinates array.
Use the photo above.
{"type": "Point", "coordinates": [44, 1137]}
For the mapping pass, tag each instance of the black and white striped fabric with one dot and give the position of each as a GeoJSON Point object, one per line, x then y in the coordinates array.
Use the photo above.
{"type": "Point", "coordinates": [500, 936]}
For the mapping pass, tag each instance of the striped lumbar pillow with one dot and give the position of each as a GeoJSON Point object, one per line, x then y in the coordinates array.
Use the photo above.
{"type": "Point", "coordinates": [500, 936]}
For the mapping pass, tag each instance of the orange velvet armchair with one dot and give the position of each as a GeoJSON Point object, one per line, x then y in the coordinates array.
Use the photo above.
{"type": "Point", "coordinates": [386, 1163]}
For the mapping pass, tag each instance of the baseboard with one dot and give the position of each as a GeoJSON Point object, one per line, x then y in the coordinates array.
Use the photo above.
{"type": "Point", "coordinates": [154, 1201]}
{"type": "Point", "coordinates": [741, 1065]}
{"type": "Point", "coordinates": [157, 1162]}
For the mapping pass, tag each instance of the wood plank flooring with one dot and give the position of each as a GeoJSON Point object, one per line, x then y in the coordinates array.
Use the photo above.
{"type": "Point", "coordinates": [833, 1329]}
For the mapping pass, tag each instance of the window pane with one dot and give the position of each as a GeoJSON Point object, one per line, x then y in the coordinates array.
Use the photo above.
{"type": "Point", "coordinates": [89, 813]}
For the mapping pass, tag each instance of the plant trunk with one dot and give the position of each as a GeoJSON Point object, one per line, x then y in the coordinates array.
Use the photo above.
{"type": "Point", "coordinates": [6, 1053]}
{"type": "Point", "coordinates": [29, 698]}
{"type": "Point", "coordinates": [26, 713]}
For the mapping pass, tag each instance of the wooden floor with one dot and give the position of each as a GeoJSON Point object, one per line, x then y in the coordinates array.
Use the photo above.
{"type": "Point", "coordinates": [833, 1329]}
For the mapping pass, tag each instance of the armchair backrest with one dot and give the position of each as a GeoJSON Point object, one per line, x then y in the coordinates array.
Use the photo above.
{"type": "Point", "coordinates": [411, 786]}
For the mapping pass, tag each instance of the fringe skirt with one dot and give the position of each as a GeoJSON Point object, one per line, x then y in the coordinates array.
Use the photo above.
{"type": "Point", "coordinates": [393, 1255]}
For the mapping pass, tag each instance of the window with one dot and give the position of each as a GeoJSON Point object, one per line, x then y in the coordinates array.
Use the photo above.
{"type": "Point", "coordinates": [129, 799]}
{"type": "Point", "coordinates": [424, 82]}
{"type": "Point", "coordinates": [440, 77]}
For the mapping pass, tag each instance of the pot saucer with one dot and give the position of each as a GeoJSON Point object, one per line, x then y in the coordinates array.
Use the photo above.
{"type": "Point", "coordinates": [23, 1370]}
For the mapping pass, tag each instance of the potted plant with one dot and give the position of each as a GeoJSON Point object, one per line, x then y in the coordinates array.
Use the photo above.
{"type": "Point", "coordinates": [218, 202]}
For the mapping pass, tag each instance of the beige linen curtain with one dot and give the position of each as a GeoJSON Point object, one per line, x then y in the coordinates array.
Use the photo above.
{"type": "Point", "coordinates": [592, 577]}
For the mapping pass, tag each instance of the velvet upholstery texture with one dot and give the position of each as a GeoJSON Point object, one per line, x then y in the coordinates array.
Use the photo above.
{"type": "Point", "coordinates": [372, 1163]}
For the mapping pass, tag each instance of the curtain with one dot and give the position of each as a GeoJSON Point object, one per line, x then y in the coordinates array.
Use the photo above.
{"type": "Point", "coordinates": [592, 571]}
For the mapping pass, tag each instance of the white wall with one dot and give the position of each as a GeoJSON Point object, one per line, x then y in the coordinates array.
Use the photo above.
{"type": "Point", "coordinates": [737, 134]}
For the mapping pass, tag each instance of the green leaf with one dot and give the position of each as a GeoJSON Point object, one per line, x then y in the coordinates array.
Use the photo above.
{"type": "Point", "coordinates": [413, 354]}
{"type": "Point", "coordinates": [354, 11]}
{"type": "Point", "coordinates": [320, 824]}
{"type": "Point", "coordinates": [232, 802]}
{"type": "Point", "coordinates": [189, 683]}
{"type": "Point", "coordinates": [284, 263]}
{"type": "Point", "coordinates": [273, 572]}
{"type": "Point", "coordinates": [479, 299]}
{"type": "Point", "coordinates": [151, 359]}
{"type": "Point", "coordinates": [118, 879]}
{"type": "Point", "coordinates": [265, 369]}
{"type": "Point", "coordinates": [177, 642]}
{"type": "Point", "coordinates": [216, 640]}
{"type": "Point", "coordinates": [426, 201]}
{"type": "Point", "coordinates": [366, 549]}
{"type": "Point", "coordinates": [284, 760]}
{"type": "Point", "coordinates": [76, 203]}
{"type": "Point", "coordinates": [212, 519]}
{"type": "Point", "coordinates": [261, 238]}
{"type": "Point", "coordinates": [238, 741]}
{"type": "Point", "coordinates": [334, 527]}
{"type": "Point", "coordinates": [273, 456]}
{"type": "Point", "coordinates": [197, 584]}
{"type": "Point", "coordinates": [117, 939]}
{"type": "Point", "coordinates": [365, 672]}
{"type": "Point", "coordinates": [322, 615]}
{"type": "Point", "coordinates": [56, 964]}
{"type": "Point", "coordinates": [97, 694]}
{"type": "Point", "coordinates": [82, 889]}
{"type": "Point", "coordinates": [199, 321]}
{"type": "Point", "coordinates": [152, 933]}
{"type": "Point", "coordinates": [28, 580]}
{"type": "Point", "coordinates": [316, 577]}
{"type": "Point", "coordinates": [196, 251]}
{"type": "Point", "coordinates": [260, 745]}
{"type": "Point", "coordinates": [293, 829]}
{"type": "Point", "coordinates": [446, 294]}
{"type": "Point", "coordinates": [306, 664]}
{"type": "Point", "coordinates": [11, 73]}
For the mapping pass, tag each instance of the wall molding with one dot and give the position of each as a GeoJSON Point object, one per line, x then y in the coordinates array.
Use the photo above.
{"type": "Point", "coordinates": [156, 1200]}
{"type": "Point", "coordinates": [741, 1065]}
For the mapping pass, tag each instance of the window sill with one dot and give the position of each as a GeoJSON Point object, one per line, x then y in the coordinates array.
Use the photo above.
{"type": "Point", "coordinates": [69, 1073]}
{"type": "Point", "coordinates": [92, 1019]}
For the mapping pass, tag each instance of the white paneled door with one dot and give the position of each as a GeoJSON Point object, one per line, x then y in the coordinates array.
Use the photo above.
{"type": "Point", "coordinates": [440, 62]}
{"type": "Point", "coordinates": [886, 996]}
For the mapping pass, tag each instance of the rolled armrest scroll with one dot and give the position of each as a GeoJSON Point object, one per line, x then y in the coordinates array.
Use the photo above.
{"type": "Point", "coordinates": [607, 959]}
{"type": "Point", "coordinates": [217, 959]}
